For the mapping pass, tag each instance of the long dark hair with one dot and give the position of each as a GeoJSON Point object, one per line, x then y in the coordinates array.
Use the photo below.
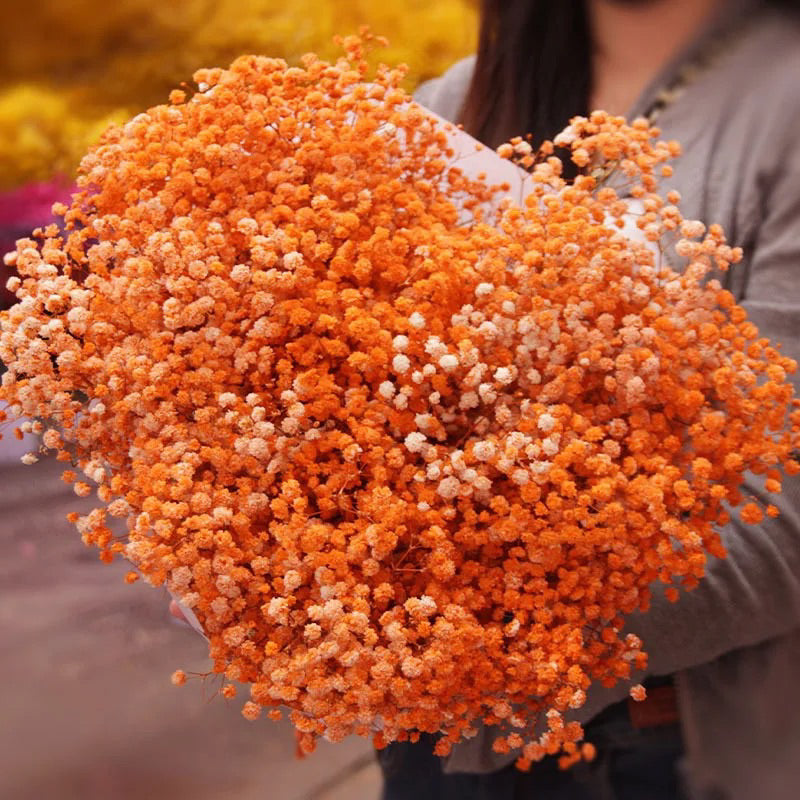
{"type": "Point", "coordinates": [533, 71]}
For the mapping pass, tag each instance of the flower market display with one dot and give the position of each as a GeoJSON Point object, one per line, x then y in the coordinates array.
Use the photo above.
{"type": "Point", "coordinates": [408, 448]}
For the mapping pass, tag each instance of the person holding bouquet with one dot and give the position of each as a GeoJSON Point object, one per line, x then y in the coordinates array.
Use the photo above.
{"type": "Point", "coordinates": [415, 450]}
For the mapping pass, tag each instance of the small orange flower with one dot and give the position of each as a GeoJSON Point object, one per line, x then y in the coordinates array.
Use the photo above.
{"type": "Point", "coordinates": [178, 677]}
{"type": "Point", "coordinates": [638, 692]}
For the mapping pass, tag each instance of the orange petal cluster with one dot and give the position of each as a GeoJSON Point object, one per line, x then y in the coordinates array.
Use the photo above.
{"type": "Point", "coordinates": [410, 451]}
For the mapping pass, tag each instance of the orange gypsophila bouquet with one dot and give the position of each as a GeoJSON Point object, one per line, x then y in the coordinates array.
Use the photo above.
{"type": "Point", "coordinates": [409, 450]}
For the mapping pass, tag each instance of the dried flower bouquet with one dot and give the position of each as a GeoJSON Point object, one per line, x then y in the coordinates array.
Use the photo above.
{"type": "Point", "coordinates": [409, 449]}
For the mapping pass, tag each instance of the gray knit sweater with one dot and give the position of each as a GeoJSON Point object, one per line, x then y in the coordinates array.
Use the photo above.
{"type": "Point", "coordinates": [734, 643]}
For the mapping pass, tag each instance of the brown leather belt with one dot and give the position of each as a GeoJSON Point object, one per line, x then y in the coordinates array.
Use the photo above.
{"type": "Point", "coordinates": [660, 707]}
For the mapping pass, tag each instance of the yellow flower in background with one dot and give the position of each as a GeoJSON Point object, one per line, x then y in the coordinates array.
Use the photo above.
{"type": "Point", "coordinates": [43, 133]}
{"type": "Point", "coordinates": [72, 67]}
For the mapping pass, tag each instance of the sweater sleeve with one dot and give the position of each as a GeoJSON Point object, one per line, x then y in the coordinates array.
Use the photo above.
{"type": "Point", "coordinates": [753, 594]}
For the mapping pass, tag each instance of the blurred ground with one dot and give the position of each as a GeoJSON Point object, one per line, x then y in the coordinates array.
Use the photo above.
{"type": "Point", "coordinates": [87, 710]}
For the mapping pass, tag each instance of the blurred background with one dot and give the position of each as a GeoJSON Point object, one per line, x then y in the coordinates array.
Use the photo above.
{"type": "Point", "coordinates": [87, 709]}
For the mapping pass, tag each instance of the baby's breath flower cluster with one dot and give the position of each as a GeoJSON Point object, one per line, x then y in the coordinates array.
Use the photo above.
{"type": "Point", "coordinates": [410, 452]}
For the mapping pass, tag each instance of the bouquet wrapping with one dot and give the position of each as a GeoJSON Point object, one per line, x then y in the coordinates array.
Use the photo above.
{"type": "Point", "coordinates": [409, 444]}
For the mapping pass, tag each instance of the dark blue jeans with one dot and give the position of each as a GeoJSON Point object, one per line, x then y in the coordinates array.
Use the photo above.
{"type": "Point", "coordinates": [631, 764]}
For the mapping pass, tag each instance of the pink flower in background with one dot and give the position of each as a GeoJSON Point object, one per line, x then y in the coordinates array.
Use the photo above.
{"type": "Point", "coordinates": [23, 209]}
